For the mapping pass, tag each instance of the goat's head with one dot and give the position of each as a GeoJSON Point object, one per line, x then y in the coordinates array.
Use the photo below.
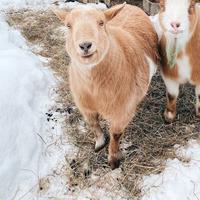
{"type": "Point", "coordinates": [87, 40]}
{"type": "Point", "coordinates": [177, 17]}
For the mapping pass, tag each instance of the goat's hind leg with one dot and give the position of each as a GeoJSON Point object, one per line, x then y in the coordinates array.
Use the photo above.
{"type": "Point", "coordinates": [101, 139]}
{"type": "Point", "coordinates": [197, 91]}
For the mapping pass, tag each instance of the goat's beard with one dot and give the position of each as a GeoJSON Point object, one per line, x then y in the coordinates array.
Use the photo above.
{"type": "Point", "coordinates": [172, 49]}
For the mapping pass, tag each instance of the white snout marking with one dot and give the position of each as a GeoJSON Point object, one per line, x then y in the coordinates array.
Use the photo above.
{"type": "Point", "coordinates": [176, 11]}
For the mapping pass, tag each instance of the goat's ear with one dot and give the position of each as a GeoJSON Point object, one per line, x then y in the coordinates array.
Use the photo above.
{"type": "Point", "coordinates": [112, 12]}
{"type": "Point", "coordinates": [61, 14]}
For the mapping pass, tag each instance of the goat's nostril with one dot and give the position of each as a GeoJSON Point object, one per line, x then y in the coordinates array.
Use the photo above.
{"type": "Point", "coordinates": [85, 46]}
{"type": "Point", "coordinates": [81, 47]}
{"type": "Point", "coordinates": [178, 25]}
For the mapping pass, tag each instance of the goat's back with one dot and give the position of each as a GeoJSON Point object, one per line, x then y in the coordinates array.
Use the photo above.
{"type": "Point", "coordinates": [135, 21]}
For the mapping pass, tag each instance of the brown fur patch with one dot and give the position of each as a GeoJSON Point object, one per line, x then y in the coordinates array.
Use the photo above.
{"type": "Point", "coordinates": [170, 97]}
{"type": "Point", "coordinates": [116, 136]}
{"type": "Point", "coordinates": [171, 103]}
{"type": "Point", "coordinates": [193, 48]}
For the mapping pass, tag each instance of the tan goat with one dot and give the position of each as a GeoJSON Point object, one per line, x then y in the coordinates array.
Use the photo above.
{"type": "Point", "coordinates": [113, 57]}
{"type": "Point", "coordinates": [179, 27]}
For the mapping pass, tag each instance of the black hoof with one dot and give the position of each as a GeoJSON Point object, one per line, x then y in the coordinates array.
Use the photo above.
{"type": "Point", "coordinates": [114, 163]}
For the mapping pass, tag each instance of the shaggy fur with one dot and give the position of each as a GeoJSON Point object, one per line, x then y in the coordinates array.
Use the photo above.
{"type": "Point", "coordinates": [116, 78]}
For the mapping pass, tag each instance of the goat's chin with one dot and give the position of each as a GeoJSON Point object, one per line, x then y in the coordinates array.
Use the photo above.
{"type": "Point", "coordinates": [90, 61]}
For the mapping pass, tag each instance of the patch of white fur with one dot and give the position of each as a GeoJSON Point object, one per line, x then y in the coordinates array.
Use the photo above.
{"type": "Point", "coordinates": [170, 115]}
{"type": "Point", "coordinates": [156, 25]}
{"type": "Point", "coordinates": [172, 86]}
{"type": "Point", "coordinates": [184, 69]}
{"type": "Point", "coordinates": [152, 68]}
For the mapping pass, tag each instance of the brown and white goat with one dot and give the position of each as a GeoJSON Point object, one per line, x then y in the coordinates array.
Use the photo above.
{"type": "Point", "coordinates": [113, 57]}
{"type": "Point", "coordinates": [179, 22]}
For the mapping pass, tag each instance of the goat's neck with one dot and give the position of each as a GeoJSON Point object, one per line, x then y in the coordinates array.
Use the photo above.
{"type": "Point", "coordinates": [108, 66]}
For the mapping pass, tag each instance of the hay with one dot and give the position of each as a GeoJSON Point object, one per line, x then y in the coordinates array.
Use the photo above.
{"type": "Point", "coordinates": [148, 141]}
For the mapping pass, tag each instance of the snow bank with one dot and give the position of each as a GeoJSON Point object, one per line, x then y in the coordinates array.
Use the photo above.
{"type": "Point", "coordinates": [72, 5]}
{"type": "Point", "coordinates": [16, 4]}
{"type": "Point", "coordinates": [179, 181]}
{"type": "Point", "coordinates": [24, 98]}
{"type": "Point", "coordinates": [23, 3]}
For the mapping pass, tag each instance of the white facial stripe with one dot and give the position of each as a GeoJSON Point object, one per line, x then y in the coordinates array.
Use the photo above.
{"type": "Point", "coordinates": [176, 11]}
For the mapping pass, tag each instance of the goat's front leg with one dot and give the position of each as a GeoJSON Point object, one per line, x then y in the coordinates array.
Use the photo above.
{"type": "Point", "coordinates": [114, 156]}
{"type": "Point", "coordinates": [197, 91]}
{"type": "Point", "coordinates": [172, 95]}
{"type": "Point", "coordinates": [117, 125]}
{"type": "Point", "coordinates": [101, 138]}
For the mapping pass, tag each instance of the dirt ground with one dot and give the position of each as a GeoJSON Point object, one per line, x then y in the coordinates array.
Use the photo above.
{"type": "Point", "coordinates": [148, 141]}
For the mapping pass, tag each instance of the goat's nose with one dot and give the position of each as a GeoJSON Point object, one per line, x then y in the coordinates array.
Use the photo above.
{"type": "Point", "coordinates": [175, 25]}
{"type": "Point", "coordinates": [85, 46]}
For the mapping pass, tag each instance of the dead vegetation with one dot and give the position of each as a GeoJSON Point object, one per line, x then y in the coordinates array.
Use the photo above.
{"type": "Point", "coordinates": [148, 141]}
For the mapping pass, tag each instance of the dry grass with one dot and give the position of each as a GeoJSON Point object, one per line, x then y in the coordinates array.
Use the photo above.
{"type": "Point", "coordinates": [148, 141]}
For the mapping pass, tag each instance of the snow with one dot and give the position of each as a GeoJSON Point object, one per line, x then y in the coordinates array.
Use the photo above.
{"type": "Point", "coordinates": [179, 181]}
{"type": "Point", "coordinates": [24, 94]}
{"type": "Point", "coordinates": [72, 5]}
{"type": "Point", "coordinates": [23, 3]}
{"type": "Point", "coordinates": [16, 4]}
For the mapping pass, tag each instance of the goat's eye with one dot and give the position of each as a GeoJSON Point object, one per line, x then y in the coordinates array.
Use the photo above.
{"type": "Point", "coordinates": [101, 23]}
{"type": "Point", "coordinates": [69, 25]}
